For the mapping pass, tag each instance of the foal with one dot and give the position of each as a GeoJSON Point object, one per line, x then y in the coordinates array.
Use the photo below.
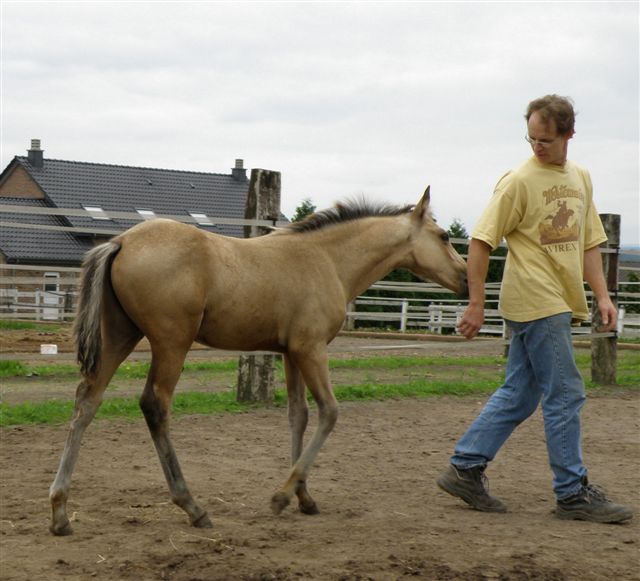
{"type": "Point", "coordinates": [285, 292]}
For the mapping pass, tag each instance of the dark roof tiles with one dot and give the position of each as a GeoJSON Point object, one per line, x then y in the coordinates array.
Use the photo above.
{"type": "Point", "coordinates": [116, 188]}
{"type": "Point", "coordinates": [72, 184]}
{"type": "Point", "coordinates": [30, 246]}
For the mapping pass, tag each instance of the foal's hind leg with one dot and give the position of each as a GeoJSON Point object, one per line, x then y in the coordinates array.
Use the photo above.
{"type": "Point", "coordinates": [166, 366]}
{"type": "Point", "coordinates": [298, 419]}
{"type": "Point", "coordinates": [88, 399]}
{"type": "Point", "coordinates": [313, 365]}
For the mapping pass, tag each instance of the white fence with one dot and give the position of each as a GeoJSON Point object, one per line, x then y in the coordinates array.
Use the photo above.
{"type": "Point", "coordinates": [39, 305]}
{"type": "Point", "coordinates": [441, 315]}
{"type": "Point", "coordinates": [50, 293]}
{"type": "Point", "coordinates": [436, 311]}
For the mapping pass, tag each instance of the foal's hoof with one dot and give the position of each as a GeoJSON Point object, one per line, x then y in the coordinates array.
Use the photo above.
{"type": "Point", "coordinates": [309, 508]}
{"type": "Point", "coordinates": [279, 501]}
{"type": "Point", "coordinates": [202, 522]}
{"type": "Point", "coordinates": [61, 530]}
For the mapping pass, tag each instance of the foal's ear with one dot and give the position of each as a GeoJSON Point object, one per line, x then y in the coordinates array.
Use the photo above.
{"type": "Point", "coordinates": [422, 207]}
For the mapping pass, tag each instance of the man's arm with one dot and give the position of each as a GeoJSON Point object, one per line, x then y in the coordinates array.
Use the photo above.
{"type": "Point", "coordinates": [595, 279]}
{"type": "Point", "coordinates": [477, 268]}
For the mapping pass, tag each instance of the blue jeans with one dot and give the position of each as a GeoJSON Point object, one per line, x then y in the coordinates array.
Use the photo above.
{"type": "Point", "coordinates": [540, 367]}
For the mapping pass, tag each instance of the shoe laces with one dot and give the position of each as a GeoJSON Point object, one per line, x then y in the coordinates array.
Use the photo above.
{"type": "Point", "coordinates": [484, 480]}
{"type": "Point", "coordinates": [593, 491]}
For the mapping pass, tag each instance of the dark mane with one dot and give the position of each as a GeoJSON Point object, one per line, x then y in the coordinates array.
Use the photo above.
{"type": "Point", "coordinates": [346, 212]}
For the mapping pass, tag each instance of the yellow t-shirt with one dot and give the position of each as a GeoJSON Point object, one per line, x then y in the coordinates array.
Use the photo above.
{"type": "Point", "coordinates": [547, 217]}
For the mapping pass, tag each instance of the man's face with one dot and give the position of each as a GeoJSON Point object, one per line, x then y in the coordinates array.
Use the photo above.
{"type": "Point", "coordinates": [548, 146]}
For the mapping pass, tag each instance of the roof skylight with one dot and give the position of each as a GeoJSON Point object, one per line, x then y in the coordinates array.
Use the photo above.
{"type": "Point", "coordinates": [147, 214]}
{"type": "Point", "coordinates": [96, 212]}
{"type": "Point", "coordinates": [201, 218]}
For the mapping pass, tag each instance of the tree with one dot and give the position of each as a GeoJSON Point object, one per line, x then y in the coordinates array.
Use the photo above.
{"type": "Point", "coordinates": [496, 267]}
{"type": "Point", "coordinates": [457, 230]}
{"type": "Point", "coordinates": [306, 208]}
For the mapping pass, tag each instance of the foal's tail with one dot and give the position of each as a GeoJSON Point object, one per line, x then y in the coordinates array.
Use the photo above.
{"type": "Point", "coordinates": [86, 328]}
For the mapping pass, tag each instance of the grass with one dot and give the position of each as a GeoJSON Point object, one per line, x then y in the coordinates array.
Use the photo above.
{"type": "Point", "coordinates": [454, 376]}
{"type": "Point", "coordinates": [134, 370]}
{"type": "Point", "coordinates": [24, 325]}
{"type": "Point", "coordinates": [60, 411]}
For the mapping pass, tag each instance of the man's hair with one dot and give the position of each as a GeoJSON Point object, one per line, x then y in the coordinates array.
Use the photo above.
{"type": "Point", "coordinates": [560, 109]}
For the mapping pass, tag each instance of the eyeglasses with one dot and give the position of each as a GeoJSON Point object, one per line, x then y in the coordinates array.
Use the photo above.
{"type": "Point", "coordinates": [544, 142]}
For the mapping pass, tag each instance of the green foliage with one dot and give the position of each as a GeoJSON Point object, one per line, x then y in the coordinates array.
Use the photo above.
{"type": "Point", "coordinates": [457, 230]}
{"type": "Point", "coordinates": [305, 209]}
{"type": "Point", "coordinates": [11, 368]}
{"type": "Point", "coordinates": [128, 370]}
{"type": "Point", "coordinates": [24, 325]}
{"type": "Point", "coordinates": [496, 267]}
{"type": "Point", "coordinates": [16, 325]}
{"type": "Point", "coordinates": [401, 362]}
{"type": "Point", "coordinates": [58, 411]}
{"type": "Point", "coordinates": [459, 379]}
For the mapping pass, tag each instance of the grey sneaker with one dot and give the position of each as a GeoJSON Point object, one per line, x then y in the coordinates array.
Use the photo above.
{"type": "Point", "coordinates": [591, 504]}
{"type": "Point", "coordinates": [470, 485]}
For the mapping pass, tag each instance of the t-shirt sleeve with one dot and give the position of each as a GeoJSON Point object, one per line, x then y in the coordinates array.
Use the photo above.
{"type": "Point", "coordinates": [594, 233]}
{"type": "Point", "coordinates": [503, 213]}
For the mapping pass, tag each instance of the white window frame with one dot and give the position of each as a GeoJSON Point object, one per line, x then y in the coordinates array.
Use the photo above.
{"type": "Point", "coordinates": [53, 276]}
{"type": "Point", "coordinates": [96, 212]}
{"type": "Point", "coordinates": [146, 214]}
{"type": "Point", "coordinates": [201, 218]}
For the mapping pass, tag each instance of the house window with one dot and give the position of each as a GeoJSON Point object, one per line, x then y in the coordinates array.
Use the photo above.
{"type": "Point", "coordinates": [201, 218]}
{"type": "Point", "coordinates": [51, 282]}
{"type": "Point", "coordinates": [96, 212]}
{"type": "Point", "coordinates": [147, 214]}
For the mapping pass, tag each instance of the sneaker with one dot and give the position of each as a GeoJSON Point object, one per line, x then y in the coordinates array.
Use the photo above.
{"type": "Point", "coordinates": [472, 486]}
{"type": "Point", "coordinates": [591, 504]}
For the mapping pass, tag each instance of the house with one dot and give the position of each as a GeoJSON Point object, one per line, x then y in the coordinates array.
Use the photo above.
{"type": "Point", "coordinates": [52, 211]}
{"type": "Point", "coordinates": [99, 197]}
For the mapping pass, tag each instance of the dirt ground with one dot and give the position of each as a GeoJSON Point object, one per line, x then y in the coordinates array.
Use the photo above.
{"type": "Point", "coordinates": [382, 516]}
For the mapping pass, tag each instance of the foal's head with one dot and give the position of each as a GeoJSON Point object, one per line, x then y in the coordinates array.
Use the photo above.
{"type": "Point", "coordinates": [432, 256]}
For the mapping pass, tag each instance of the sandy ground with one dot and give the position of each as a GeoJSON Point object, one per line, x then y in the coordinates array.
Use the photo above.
{"type": "Point", "coordinates": [382, 516]}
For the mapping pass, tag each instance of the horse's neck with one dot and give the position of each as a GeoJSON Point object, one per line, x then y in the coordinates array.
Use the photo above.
{"type": "Point", "coordinates": [365, 251]}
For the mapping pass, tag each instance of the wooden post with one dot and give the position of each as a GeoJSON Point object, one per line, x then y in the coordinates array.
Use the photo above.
{"type": "Point", "coordinates": [604, 350]}
{"type": "Point", "coordinates": [256, 372]}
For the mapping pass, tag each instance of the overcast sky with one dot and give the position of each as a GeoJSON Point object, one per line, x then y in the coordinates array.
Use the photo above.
{"type": "Point", "coordinates": [343, 98]}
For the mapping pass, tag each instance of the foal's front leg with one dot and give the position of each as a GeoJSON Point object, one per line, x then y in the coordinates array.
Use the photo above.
{"type": "Point", "coordinates": [314, 369]}
{"type": "Point", "coordinates": [298, 419]}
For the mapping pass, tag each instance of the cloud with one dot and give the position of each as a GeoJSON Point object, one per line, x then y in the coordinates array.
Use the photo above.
{"type": "Point", "coordinates": [342, 97]}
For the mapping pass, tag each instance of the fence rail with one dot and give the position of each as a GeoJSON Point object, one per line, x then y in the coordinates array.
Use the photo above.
{"type": "Point", "coordinates": [436, 311]}
{"type": "Point", "coordinates": [439, 315]}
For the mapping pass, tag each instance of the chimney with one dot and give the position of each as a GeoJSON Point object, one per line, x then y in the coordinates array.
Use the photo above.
{"type": "Point", "coordinates": [35, 154]}
{"type": "Point", "coordinates": [239, 173]}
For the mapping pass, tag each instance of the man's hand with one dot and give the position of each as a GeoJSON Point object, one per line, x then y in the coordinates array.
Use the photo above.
{"type": "Point", "coordinates": [595, 277]}
{"type": "Point", "coordinates": [477, 267]}
{"type": "Point", "coordinates": [471, 321]}
{"type": "Point", "coordinates": [609, 315]}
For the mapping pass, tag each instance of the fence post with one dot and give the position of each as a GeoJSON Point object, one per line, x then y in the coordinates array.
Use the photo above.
{"type": "Point", "coordinates": [404, 314]}
{"type": "Point", "coordinates": [604, 351]}
{"type": "Point", "coordinates": [349, 321]}
{"type": "Point", "coordinates": [256, 372]}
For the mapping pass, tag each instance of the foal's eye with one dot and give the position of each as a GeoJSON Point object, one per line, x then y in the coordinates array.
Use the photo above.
{"type": "Point", "coordinates": [445, 237]}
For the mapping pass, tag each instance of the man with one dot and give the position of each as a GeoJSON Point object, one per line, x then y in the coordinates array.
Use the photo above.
{"type": "Point", "coordinates": [545, 212]}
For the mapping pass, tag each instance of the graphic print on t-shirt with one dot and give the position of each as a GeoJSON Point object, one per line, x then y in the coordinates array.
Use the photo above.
{"type": "Point", "coordinates": [562, 211]}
